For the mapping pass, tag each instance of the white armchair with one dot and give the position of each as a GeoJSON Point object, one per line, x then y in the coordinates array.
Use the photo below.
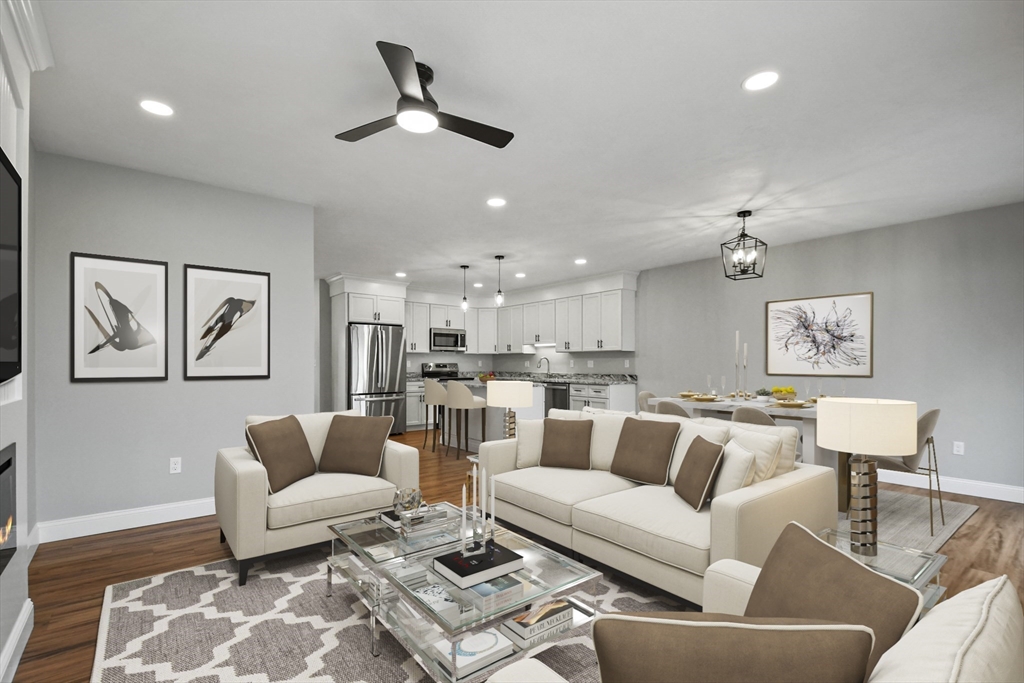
{"type": "Point", "coordinates": [256, 523]}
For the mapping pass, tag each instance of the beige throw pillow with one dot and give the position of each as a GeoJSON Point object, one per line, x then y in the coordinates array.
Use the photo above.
{"type": "Point", "coordinates": [765, 447]}
{"type": "Point", "coordinates": [355, 445]}
{"type": "Point", "coordinates": [607, 429]}
{"type": "Point", "coordinates": [644, 451]}
{"type": "Point", "coordinates": [698, 472]}
{"type": "Point", "coordinates": [737, 469]}
{"type": "Point", "coordinates": [566, 443]}
{"type": "Point", "coordinates": [282, 449]}
{"type": "Point", "coordinates": [529, 441]}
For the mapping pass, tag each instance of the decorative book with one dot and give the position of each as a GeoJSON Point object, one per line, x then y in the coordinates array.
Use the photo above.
{"type": "Point", "coordinates": [475, 652]}
{"type": "Point", "coordinates": [469, 571]}
{"type": "Point", "coordinates": [529, 624]}
{"type": "Point", "coordinates": [437, 598]}
{"type": "Point", "coordinates": [527, 643]}
{"type": "Point", "coordinates": [497, 593]}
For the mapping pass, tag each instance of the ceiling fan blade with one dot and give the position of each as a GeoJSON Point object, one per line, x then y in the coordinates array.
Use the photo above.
{"type": "Point", "coordinates": [357, 134]}
{"type": "Point", "coordinates": [489, 135]}
{"type": "Point", "coordinates": [402, 66]}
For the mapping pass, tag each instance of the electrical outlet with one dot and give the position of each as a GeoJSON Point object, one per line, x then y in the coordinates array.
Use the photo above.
{"type": "Point", "coordinates": [408, 364]}
{"type": "Point", "coordinates": [526, 363]}
{"type": "Point", "coordinates": [479, 363]}
{"type": "Point", "coordinates": [627, 362]}
{"type": "Point", "coordinates": [175, 465]}
{"type": "Point", "coordinates": [590, 363]}
{"type": "Point", "coordinates": [958, 448]}
{"type": "Point", "coordinates": [572, 363]}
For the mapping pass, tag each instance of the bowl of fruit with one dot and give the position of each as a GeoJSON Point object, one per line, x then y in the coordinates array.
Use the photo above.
{"type": "Point", "coordinates": [783, 393]}
{"type": "Point", "coordinates": [486, 376]}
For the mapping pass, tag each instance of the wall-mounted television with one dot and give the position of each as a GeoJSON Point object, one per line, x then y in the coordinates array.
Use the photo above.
{"type": "Point", "coordinates": [10, 270]}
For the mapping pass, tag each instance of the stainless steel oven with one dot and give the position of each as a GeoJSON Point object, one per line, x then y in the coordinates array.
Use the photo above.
{"type": "Point", "coordinates": [446, 339]}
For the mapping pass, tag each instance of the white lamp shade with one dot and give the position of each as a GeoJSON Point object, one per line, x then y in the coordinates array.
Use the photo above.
{"type": "Point", "coordinates": [506, 394]}
{"type": "Point", "coordinates": [871, 426]}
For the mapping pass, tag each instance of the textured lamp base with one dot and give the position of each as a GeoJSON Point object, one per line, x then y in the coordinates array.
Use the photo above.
{"type": "Point", "coordinates": [510, 423]}
{"type": "Point", "coordinates": [863, 510]}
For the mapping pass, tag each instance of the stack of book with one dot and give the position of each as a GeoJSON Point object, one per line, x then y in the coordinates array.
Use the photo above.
{"type": "Point", "coordinates": [495, 561]}
{"type": "Point", "coordinates": [491, 596]}
{"type": "Point", "coordinates": [530, 628]}
{"type": "Point", "coordinates": [475, 652]}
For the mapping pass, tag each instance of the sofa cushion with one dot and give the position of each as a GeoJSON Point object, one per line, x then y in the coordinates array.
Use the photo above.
{"type": "Point", "coordinates": [650, 520]}
{"type": "Point", "coordinates": [737, 469]}
{"type": "Point", "coordinates": [691, 429]}
{"type": "Point", "coordinates": [604, 411]}
{"type": "Point", "coordinates": [607, 428]}
{"type": "Point", "coordinates": [560, 414]}
{"type": "Point", "coordinates": [325, 495]}
{"type": "Point", "coordinates": [839, 588]}
{"type": "Point", "coordinates": [355, 444]}
{"type": "Point", "coordinates": [552, 492]}
{"type": "Point", "coordinates": [765, 447]}
{"type": "Point", "coordinates": [790, 439]}
{"type": "Point", "coordinates": [282, 449]}
{"type": "Point", "coordinates": [314, 426]}
{"type": "Point", "coordinates": [566, 443]}
{"type": "Point", "coordinates": [697, 474]}
{"type": "Point", "coordinates": [529, 441]}
{"type": "Point", "coordinates": [644, 450]}
{"type": "Point", "coordinates": [688, 647]}
{"type": "Point", "coordinates": [663, 417]}
{"type": "Point", "coordinates": [973, 636]}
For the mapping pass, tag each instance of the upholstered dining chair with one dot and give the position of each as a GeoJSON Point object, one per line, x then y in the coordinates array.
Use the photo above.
{"type": "Point", "coordinates": [671, 408]}
{"type": "Point", "coordinates": [753, 416]}
{"type": "Point", "coordinates": [642, 398]}
{"type": "Point", "coordinates": [462, 400]}
{"type": "Point", "coordinates": [912, 463]}
{"type": "Point", "coordinates": [434, 396]}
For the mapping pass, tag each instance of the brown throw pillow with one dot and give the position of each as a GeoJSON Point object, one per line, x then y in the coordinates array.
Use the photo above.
{"type": "Point", "coordinates": [690, 647]}
{"type": "Point", "coordinates": [355, 444]}
{"type": "Point", "coordinates": [701, 465]}
{"type": "Point", "coordinates": [645, 450]}
{"type": "Point", "coordinates": [566, 443]}
{"type": "Point", "coordinates": [806, 578]}
{"type": "Point", "coordinates": [282, 448]}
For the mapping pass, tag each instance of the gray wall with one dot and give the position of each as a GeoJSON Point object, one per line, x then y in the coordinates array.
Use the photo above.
{"type": "Point", "coordinates": [105, 446]}
{"type": "Point", "coordinates": [609, 362]}
{"type": "Point", "coordinates": [949, 325]}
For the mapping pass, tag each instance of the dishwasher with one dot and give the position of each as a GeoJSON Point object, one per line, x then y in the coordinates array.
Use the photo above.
{"type": "Point", "coordinates": [556, 395]}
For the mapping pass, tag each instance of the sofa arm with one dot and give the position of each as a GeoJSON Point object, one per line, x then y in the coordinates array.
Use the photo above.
{"type": "Point", "coordinates": [727, 586]}
{"type": "Point", "coordinates": [240, 497]}
{"type": "Point", "coordinates": [401, 465]}
{"type": "Point", "coordinates": [498, 456]}
{"type": "Point", "coordinates": [746, 523]}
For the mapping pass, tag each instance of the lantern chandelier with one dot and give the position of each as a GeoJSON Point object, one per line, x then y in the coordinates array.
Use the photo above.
{"type": "Point", "coordinates": [743, 256]}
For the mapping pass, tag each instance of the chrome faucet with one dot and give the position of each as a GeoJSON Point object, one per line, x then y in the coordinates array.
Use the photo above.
{"type": "Point", "coordinates": [544, 358]}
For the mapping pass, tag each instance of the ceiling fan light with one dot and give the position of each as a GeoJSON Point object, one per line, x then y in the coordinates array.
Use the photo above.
{"type": "Point", "coordinates": [417, 120]}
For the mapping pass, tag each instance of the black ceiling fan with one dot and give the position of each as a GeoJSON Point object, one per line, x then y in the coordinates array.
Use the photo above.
{"type": "Point", "coordinates": [417, 109]}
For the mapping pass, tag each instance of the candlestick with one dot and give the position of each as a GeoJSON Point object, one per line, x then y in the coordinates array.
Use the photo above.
{"type": "Point", "coordinates": [462, 528]}
{"type": "Point", "coordinates": [483, 503]}
{"type": "Point", "coordinates": [737, 347]}
{"type": "Point", "coordinates": [474, 498]}
{"type": "Point", "coordinates": [744, 355]}
{"type": "Point", "coordinates": [493, 508]}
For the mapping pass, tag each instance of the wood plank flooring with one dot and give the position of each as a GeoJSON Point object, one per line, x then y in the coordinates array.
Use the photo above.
{"type": "Point", "coordinates": [67, 578]}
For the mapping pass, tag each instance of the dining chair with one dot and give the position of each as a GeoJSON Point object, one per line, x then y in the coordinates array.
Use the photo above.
{"type": "Point", "coordinates": [912, 463]}
{"type": "Point", "coordinates": [642, 398]}
{"type": "Point", "coordinates": [434, 396]}
{"type": "Point", "coordinates": [671, 408]}
{"type": "Point", "coordinates": [753, 416]}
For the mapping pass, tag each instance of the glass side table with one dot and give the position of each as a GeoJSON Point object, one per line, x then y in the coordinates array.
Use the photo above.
{"type": "Point", "coordinates": [915, 568]}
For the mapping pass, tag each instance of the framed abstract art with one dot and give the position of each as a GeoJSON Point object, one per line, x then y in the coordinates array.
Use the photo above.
{"type": "Point", "coordinates": [227, 323]}
{"type": "Point", "coordinates": [118, 319]}
{"type": "Point", "coordinates": [828, 336]}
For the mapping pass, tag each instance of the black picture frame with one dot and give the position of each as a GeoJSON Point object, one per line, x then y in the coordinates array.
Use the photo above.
{"type": "Point", "coordinates": [78, 372]}
{"type": "Point", "coordinates": [190, 370]}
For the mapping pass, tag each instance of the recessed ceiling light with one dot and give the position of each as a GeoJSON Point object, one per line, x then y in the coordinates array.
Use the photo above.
{"type": "Point", "coordinates": [495, 202]}
{"type": "Point", "coordinates": [399, 274]}
{"type": "Point", "coordinates": [478, 284]}
{"type": "Point", "coordinates": [520, 274]}
{"type": "Point", "coordinates": [765, 79]}
{"type": "Point", "coordinates": [580, 261]}
{"type": "Point", "coordinates": [154, 107]}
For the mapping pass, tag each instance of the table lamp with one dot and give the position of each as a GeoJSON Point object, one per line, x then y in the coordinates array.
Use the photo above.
{"type": "Point", "coordinates": [865, 426]}
{"type": "Point", "coordinates": [509, 395]}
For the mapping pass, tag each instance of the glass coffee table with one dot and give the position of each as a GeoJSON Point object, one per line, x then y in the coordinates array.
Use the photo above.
{"type": "Point", "coordinates": [916, 568]}
{"type": "Point", "coordinates": [393, 576]}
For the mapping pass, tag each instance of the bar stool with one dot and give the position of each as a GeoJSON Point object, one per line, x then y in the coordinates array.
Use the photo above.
{"type": "Point", "coordinates": [435, 396]}
{"type": "Point", "coordinates": [462, 400]}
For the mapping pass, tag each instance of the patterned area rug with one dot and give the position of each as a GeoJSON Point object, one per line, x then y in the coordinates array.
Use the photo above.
{"type": "Point", "coordinates": [903, 520]}
{"type": "Point", "coordinates": [198, 625]}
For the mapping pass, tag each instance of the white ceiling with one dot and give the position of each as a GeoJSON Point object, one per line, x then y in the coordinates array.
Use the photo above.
{"type": "Point", "coordinates": [634, 143]}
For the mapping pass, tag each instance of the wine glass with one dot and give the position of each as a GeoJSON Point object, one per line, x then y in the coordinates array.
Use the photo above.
{"type": "Point", "coordinates": [843, 387]}
{"type": "Point", "coordinates": [820, 387]}
{"type": "Point", "coordinates": [709, 384]}
{"type": "Point", "coordinates": [807, 389]}
{"type": "Point", "coordinates": [723, 385]}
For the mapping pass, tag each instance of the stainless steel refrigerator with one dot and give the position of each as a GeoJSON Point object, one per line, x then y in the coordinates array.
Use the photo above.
{"type": "Point", "coordinates": [376, 371]}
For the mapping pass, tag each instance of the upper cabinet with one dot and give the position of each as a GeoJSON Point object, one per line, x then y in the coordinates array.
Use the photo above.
{"type": "Point", "coordinates": [447, 316]}
{"type": "Point", "coordinates": [473, 331]}
{"type": "Point", "coordinates": [539, 323]}
{"type": "Point", "coordinates": [371, 308]}
{"type": "Point", "coordinates": [417, 328]}
{"type": "Point", "coordinates": [487, 330]}
{"type": "Point", "coordinates": [609, 321]}
{"type": "Point", "coordinates": [569, 324]}
{"type": "Point", "coordinates": [510, 329]}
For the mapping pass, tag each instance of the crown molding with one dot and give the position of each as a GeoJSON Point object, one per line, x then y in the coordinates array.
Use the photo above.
{"type": "Point", "coordinates": [31, 32]}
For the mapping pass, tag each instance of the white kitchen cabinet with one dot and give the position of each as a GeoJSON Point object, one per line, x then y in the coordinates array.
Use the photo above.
{"type": "Point", "coordinates": [415, 406]}
{"type": "Point", "coordinates": [609, 321]}
{"type": "Point", "coordinates": [510, 329]}
{"type": "Point", "coordinates": [450, 317]}
{"type": "Point", "coordinates": [370, 308]}
{"type": "Point", "coordinates": [417, 328]}
{"type": "Point", "coordinates": [473, 331]}
{"type": "Point", "coordinates": [569, 324]}
{"type": "Point", "coordinates": [604, 396]}
{"type": "Point", "coordinates": [487, 330]}
{"type": "Point", "coordinates": [577, 402]}
{"type": "Point", "coordinates": [539, 322]}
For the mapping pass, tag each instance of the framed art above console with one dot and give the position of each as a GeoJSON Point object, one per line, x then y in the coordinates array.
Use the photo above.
{"type": "Point", "coordinates": [828, 336]}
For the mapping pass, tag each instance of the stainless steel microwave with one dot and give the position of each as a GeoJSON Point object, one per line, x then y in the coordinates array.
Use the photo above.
{"type": "Point", "coordinates": [447, 339]}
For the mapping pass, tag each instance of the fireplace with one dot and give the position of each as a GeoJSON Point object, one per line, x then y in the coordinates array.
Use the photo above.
{"type": "Point", "coordinates": [8, 539]}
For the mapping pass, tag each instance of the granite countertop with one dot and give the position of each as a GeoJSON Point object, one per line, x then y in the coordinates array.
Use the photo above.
{"type": "Point", "coordinates": [567, 378]}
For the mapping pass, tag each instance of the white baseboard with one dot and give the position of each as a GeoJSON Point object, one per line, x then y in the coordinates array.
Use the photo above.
{"type": "Point", "coordinates": [15, 645]}
{"type": "Point", "coordinates": [105, 522]}
{"type": "Point", "coordinates": [967, 487]}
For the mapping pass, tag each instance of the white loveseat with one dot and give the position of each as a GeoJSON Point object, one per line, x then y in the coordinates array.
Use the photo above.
{"type": "Point", "coordinates": [256, 522]}
{"type": "Point", "coordinates": [649, 532]}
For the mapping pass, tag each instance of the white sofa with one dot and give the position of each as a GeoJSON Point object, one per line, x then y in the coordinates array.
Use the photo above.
{"type": "Point", "coordinates": [255, 522]}
{"type": "Point", "coordinates": [649, 532]}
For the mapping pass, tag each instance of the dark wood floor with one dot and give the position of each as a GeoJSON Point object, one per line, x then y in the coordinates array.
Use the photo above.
{"type": "Point", "coordinates": [67, 578]}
